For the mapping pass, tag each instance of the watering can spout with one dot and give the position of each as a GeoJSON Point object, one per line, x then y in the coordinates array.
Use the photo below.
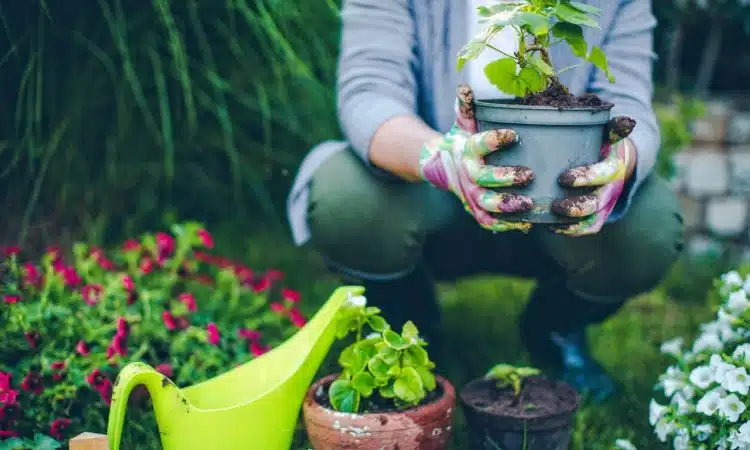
{"type": "Point", "coordinates": [256, 404]}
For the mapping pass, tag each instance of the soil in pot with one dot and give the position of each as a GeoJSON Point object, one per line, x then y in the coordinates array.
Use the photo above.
{"type": "Point", "coordinates": [540, 418]}
{"type": "Point", "coordinates": [380, 425]}
{"type": "Point", "coordinates": [558, 96]}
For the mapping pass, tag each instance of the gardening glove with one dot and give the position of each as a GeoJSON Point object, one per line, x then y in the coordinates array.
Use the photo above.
{"type": "Point", "coordinates": [609, 176]}
{"type": "Point", "coordinates": [455, 163]}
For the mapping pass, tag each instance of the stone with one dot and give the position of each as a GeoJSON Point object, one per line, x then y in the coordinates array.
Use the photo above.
{"type": "Point", "coordinates": [709, 129]}
{"type": "Point", "coordinates": [726, 217]}
{"type": "Point", "coordinates": [681, 163]}
{"type": "Point", "coordinates": [739, 168]}
{"type": "Point", "coordinates": [738, 129]}
{"type": "Point", "coordinates": [707, 174]}
{"type": "Point", "coordinates": [692, 212]}
{"type": "Point", "coordinates": [700, 246]}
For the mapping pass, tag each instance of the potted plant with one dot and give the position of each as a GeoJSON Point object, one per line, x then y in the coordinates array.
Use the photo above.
{"type": "Point", "coordinates": [557, 129]}
{"type": "Point", "coordinates": [514, 407]}
{"type": "Point", "coordinates": [386, 396]}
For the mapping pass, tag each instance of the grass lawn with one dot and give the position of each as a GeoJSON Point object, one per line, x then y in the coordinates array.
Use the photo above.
{"type": "Point", "coordinates": [480, 328]}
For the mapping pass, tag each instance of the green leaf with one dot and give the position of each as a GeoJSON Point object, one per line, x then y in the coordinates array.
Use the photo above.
{"type": "Point", "coordinates": [470, 51]}
{"type": "Point", "coordinates": [586, 8]}
{"type": "Point", "coordinates": [377, 323]}
{"type": "Point", "coordinates": [417, 356]}
{"type": "Point", "coordinates": [394, 371]}
{"type": "Point", "coordinates": [372, 310]}
{"type": "Point", "coordinates": [351, 359]}
{"type": "Point", "coordinates": [486, 11]}
{"type": "Point", "coordinates": [536, 24]}
{"type": "Point", "coordinates": [42, 442]}
{"type": "Point", "coordinates": [541, 66]}
{"type": "Point", "coordinates": [531, 80]}
{"type": "Point", "coordinates": [408, 386]}
{"type": "Point", "coordinates": [573, 35]}
{"type": "Point", "coordinates": [387, 391]}
{"type": "Point", "coordinates": [599, 59]}
{"type": "Point", "coordinates": [343, 396]}
{"type": "Point", "coordinates": [525, 372]}
{"type": "Point", "coordinates": [409, 331]}
{"type": "Point", "coordinates": [502, 74]}
{"type": "Point", "coordinates": [364, 383]}
{"type": "Point", "coordinates": [378, 367]}
{"type": "Point", "coordinates": [394, 340]}
{"type": "Point", "coordinates": [427, 377]}
{"type": "Point", "coordinates": [567, 13]}
{"type": "Point", "coordinates": [389, 355]}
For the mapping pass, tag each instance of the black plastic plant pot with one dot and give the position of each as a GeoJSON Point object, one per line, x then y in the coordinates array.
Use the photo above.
{"type": "Point", "coordinates": [552, 140]}
{"type": "Point", "coordinates": [541, 418]}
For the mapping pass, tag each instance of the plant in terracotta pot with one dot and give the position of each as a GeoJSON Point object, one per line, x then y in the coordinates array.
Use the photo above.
{"type": "Point", "coordinates": [517, 408]}
{"type": "Point", "coordinates": [386, 396]}
{"type": "Point", "coordinates": [557, 130]}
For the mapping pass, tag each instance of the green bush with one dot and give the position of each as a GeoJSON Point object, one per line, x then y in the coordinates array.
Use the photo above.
{"type": "Point", "coordinates": [69, 326]}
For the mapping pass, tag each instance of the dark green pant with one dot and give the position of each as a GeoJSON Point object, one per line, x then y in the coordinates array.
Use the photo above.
{"type": "Point", "coordinates": [379, 230]}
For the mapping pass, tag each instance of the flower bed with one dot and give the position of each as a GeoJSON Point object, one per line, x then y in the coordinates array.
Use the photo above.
{"type": "Point", "coordinates": [70, 325]}
{"type": "Point", "coordinates": [708, 387]}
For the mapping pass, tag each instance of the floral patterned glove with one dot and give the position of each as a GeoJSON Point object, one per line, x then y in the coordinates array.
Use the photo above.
{"type": "Point", "coordinates": [608, 176]}
{"type": "Point", "coordinates": [455, 163]}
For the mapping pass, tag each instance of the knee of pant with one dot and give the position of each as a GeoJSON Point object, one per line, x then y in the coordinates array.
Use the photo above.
{"type": "Point", "coordinates": [367, 227]}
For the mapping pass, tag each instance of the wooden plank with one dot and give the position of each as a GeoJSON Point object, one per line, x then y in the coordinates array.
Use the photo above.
{"type": "Point", "coordinates": [89, 441]}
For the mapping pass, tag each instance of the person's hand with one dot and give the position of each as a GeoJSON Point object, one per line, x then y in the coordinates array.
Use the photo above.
{"type": "Point", "coordinates": [618, 158]}
{"type": "Point", "coordinates": [455, 163]}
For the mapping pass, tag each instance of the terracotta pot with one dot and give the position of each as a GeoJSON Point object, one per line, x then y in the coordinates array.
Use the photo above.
{"type": "Point", "coordinates": [428, 427]}
{"type": "Point", "coordinates": [492, 425]}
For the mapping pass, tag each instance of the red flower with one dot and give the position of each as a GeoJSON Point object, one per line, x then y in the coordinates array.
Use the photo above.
{"type": "Point", "coordinates": [189, 301]}
{"type": "Point", "coordinates": [91, 293]}
{"type": "Point", "coordinates": [57, 427]}
{"type": "Point", "coordinates": [105, 391]}
{"type": "Point", "coordinates": [206, 239]}
{"type": "Point", "coordinates": [169, 320]}
{"type": "Point", "coordinates": [32, 338]}
{"type": "Point", "coordinates": [274, 275]}
{"type": "Point", "coordinates": [5, 380]}
{"type": "Point", "coordinates": [8, 396]}
{"type": "Point", "coordinates": [70, 276]}
{"type": "Point", "coordinates": [54, 254]}
{"type": "Point", "coordinates": [244, 274]}
{"type": "Point", "coordinates": [213, 334]}
{"type": "Point", "coordinates": [132, 297]}
{"type": "Point", "coordinates": [165, 369]}
{"type": "Point", "coordinates": [295, 315]}
{"type": "Point", "coordinates": [250, 335]}
{"type": "Point", "coordinates": [11, 299]}
{"type": "Point", "coordinates": [127, 283]}
{"type": "Point", "coordinates": [32, 382]}
{"type": "Point", "coordinates": [290, 295]}
{"type": "Point", "coordinates": [182, 322]}
{"type": "Point", "coordinates": [82, 348]}
{"type": "Point", "coordinates": [261, 285]}
{"type": "Point", "coordinates": [122, 326]}
{"type": "Point", "coordinates": [131, 245]}
{"type": "Point", "coordinates": [8, 434]}
{"type": "Point", "coordinates": [101, 259]}
{"type": "Point", "coordinates": [118, 346]}
{"type": "Point", "coordinates": [277, 307]}
{"type": "Point", "coordinates": [258, 349]}
{"type": "Point", "coordinates": [95, 377]}
{"type": "Point", "coordinates": [57, 367]}
{"type": "Point", "coordinates": [147, 265]}
{"type": "Point", "coordinates": [31, 275]}
{"type": "Point", "coordinates": [165, 246]}
{"type": "Point", "coordinates": [11, 250]}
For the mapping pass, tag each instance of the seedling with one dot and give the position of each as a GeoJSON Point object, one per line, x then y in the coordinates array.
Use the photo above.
{"type": "Point", "coordinates": [538, 24]}
{"type": "Point", "coordinates": [392, 366]}
{"type": "Point", "coordinates": [506, 376]}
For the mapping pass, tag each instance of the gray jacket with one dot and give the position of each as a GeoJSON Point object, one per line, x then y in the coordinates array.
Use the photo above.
{"type": "Point", "coordinates": [398, 57]}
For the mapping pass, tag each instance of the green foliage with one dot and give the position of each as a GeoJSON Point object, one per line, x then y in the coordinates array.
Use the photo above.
{"type": "Point", "coordinates": [543, 23]}
{"type": "Point", "coordinates": [393, 367]}
{"type": "Point", "coordinates": [675, 123]}
{"type": "Point", "coordinates": [71, 322]}
{"type": "Point", "coordinates": [506, 376]}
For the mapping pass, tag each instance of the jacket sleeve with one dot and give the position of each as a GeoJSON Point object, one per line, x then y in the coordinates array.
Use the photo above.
{"type": "Point", "coordinates": [629, 48]}
{"type": "Point", "coordinates": [375, 76]}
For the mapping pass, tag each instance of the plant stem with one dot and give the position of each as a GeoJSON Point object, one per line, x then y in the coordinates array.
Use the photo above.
{"type": "Point", "coordinates": [490, 46]}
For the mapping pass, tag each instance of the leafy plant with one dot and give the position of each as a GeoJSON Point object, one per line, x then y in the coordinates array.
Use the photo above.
{"type": "Point", "coordinates": [675, 121]}
{"type": "Point", "coordinates": [71, 323]}
{"type": "Point", "coordinates": [539, 24]}
{"type": "Point", "coordinates": [386, 366]}
{"type": "Point", "coordinates": [506, 376]}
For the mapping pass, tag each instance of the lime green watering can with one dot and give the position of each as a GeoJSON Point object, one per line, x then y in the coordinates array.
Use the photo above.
{"type": "Point", "coordinates": [255, 405]}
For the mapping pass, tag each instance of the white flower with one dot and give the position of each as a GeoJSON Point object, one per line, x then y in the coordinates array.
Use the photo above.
{"type": "Point", "coordinates": [742, 353]}
{"type": "Point", "coordinates": [703, 432]}
{"type": "Point", "coordinates": [746, 284]}
{"type": "Point", "coordinates": [741, 439]}
{"type": "Point", "coordinates": [731, 407]}
{"type": "Point", "coordinates": [624, 444]}
{"type": "Point", "coordinates": [681, 405]}
{"type": "Point", "coordinates": [719, 368]}
{"type": "Point", "coordinates": [358, 300]}
{"type": "Point", "coordinates": [710, 402]}
{"type": "Point", "coordinates": [736, 380]}
{"type": "Point", "coordinates": [702, 376]}
{"type": "Point", "coordinates": [681, 440]}
{"type": "Point", "coordinates": [655, 412]}
{"type": "Point", "coordinates": [672, 380]}
{"type": "Point", "coordinates": [688, 392]}
{"type": "Point", "coordinates": [707, 341]}
{"type": "Point", "coordinates": [737, 302]}
{"type": "Point", "coordinates": [673, 347]}
{"type": "Point", "coordinates": [722, 444]}
{"type": "Point", "coordinates": [664, 429]}
{"type": "Point", "coordinates": [732, 279]}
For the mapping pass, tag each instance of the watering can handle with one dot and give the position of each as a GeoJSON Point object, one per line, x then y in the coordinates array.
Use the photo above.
{"type": "Point", "coordinates": [132, 375]}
